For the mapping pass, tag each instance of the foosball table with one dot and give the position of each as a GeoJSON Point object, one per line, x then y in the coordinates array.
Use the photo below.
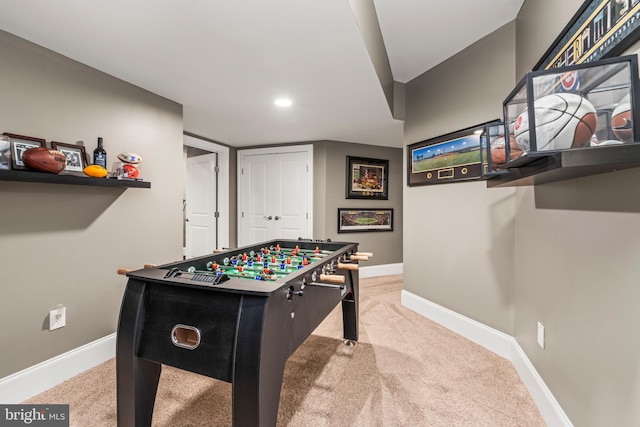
{"type": "Point", "coordinates": [235, 316]}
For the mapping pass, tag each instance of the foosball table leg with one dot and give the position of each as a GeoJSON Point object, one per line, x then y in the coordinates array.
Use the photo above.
{"type": "Point", "coordinates": [136, 379]}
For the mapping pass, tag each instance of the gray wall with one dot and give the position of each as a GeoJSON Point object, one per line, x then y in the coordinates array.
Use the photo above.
{"type": "Point", "coordinates": [329, 182]}
{"type": "Point", "coordinates": [458, 239]}
{"type": "Point", "coordinates": [329, 195]}
{"type": "Point", "coordinates": [577, 269]}
{"type": "Point", "coordinates": [564, 254]}
{"type": "Point", "coordinates": [62, 244]}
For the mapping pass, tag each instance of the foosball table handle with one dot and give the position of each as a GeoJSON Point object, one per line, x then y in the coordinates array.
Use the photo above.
{"type": "Point", "coordinates": [367, 254]}
{"type": "Point", "coordinates": [332, 278]}
{"type": "Point", "coordinates": [359, 258]}
{"type": "Point", "coordinates": [342, 266]}
{"type": "Point", "coordinates": [123, 271]}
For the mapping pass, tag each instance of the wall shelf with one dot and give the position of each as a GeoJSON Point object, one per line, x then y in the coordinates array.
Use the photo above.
{"type": "Point", "coordinates": [545, 167]}
{"type": "Point", "coordinates": [50, 178]}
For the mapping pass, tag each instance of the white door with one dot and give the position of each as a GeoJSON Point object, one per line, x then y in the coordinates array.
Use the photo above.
{"type": "Point", "coordinates": [257, 216]}
{"type": "Point", "coordinates": [201, 205]}
{"type": "Point", "coordinates": [275, 194]}
{"type": "Point", "coordinates": [290, 205]}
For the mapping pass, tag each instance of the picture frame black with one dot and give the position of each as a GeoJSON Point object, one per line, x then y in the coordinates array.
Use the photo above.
{"type": "Point", "coordinates": [599, 29]}
{"type": "Point", "coordinates": [76, 156]}
{"type": "Point", "coordinates": [5, 152]}
{"type": "Point", "coordinates": [354, 220]}
{"type": "Point", "coordinates": [367, 178]}
{"type": "Point", "coordinates": [20, 144]}
{"type": "Point", "coordinates": [452, 157]}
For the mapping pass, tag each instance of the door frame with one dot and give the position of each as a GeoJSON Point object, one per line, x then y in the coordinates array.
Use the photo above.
{"type": "Point", "coordinates": [308, 148]}
{"type": "Point", "coordinates": [223, 182]}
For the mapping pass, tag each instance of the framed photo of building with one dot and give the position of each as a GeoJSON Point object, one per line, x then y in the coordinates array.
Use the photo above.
{"type": "Point", "coordinates": [355, 220]}
{"type": "Point", "coordinates": [367, 178]}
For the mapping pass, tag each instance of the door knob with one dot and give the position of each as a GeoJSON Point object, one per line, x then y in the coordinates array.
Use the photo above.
{"type": "Point", "coordinates": [186, 219]}
{"type": "Point", "coordinates": [268, 218]}
{"type": "Point", "coordinates": [277, 217]}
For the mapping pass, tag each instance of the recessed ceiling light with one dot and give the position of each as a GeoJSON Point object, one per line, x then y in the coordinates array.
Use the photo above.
{"type": "Point", "coordinates": [283, 102]}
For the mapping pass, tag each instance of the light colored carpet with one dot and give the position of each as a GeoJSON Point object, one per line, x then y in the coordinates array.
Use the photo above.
{"type": "Point", "coordinates": [405, 371]}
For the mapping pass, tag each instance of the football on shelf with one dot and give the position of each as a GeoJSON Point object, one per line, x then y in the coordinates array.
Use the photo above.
{"type": "Point", "coordinates": [129, 157]}
{"type": "Point", "coordinates": [44, 160]}
{"type": "Point", "coordinates": [95, 171]}
{"type": "Point", "coordinates": [499, 152]}
{"type": "Point", "coordinates": [562, 120]}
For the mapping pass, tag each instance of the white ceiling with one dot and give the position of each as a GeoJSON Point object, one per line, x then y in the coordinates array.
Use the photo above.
{"type": "Point", "coordinates": [226, 61]}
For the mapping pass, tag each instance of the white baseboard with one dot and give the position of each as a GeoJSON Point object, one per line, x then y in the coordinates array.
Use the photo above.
{"type": "Point", "coordinates": [27, 383]}
{"type": "Point", "coordinates": [501, 344]}
{"type": "Point", "coordinates": [380, 270]}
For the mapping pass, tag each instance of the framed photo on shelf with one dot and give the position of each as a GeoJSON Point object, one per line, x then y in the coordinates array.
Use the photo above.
{"type": "Point", "coordinates": [355, 220]}
{"type": "Point", "coordinates": [75, 154]}
{"type": "Point", "coordinates": [20, 144]}
{"type": "Point", "coordinates": [5, 153]}
{"type": "Point", "coordinates": [367, 178]}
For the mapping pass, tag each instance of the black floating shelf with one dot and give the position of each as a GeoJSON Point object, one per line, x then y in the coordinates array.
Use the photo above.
{"type": "Point", "coordinates": [51, 178]}
{"type": "Point", "coordinates": [551, 166]}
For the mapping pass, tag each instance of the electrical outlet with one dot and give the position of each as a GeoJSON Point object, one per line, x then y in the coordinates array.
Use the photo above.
{"type": "Point", "coordinates": [540, 335]}
{"type": "Point", "coordinates": [57, 317]}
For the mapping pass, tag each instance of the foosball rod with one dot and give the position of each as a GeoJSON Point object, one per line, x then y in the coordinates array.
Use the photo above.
{"type": "Point", "coordinates": [325, 285]}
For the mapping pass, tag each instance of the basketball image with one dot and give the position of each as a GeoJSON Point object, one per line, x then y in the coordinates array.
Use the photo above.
{"type": "Point", "coordinates": [621, 120]}
{"type": "Point", "coordinates": [499, 152]}
{"type": "Point", "coordinates": [562, 120]}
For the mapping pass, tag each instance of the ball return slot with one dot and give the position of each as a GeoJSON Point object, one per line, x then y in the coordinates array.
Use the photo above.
{"type": "Point", "coordinates": [185, 336]}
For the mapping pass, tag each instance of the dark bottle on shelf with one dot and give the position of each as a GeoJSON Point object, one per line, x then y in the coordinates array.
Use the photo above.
{"type": "Point", "coordinates": [100, 155]}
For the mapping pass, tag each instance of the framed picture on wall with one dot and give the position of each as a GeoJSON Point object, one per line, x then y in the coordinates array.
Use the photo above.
{"type": "Point", "coordinates": [20, 144]}
{"type": "Point", "coordinates": [367, 178]}
{"type": "Point", "coordinates": [447, 158]}
{"type": "Point", "coordinates": [600, 29]}
{"type": "Point", "coordinates": [75, 154]}
{"type": "Point", "coordinates": [354, 220]}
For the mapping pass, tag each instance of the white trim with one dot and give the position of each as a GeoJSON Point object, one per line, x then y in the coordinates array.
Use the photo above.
{"type": "Point", "coordinates": [380, 270]}
{"type": "Point", "coordinates": [223, 183]}
{"type": "Point", "coordinates": [27, 383]}
{"type": "Point", "coordinates": [501, 344]}
{"type": "Point", "coordinates": [308, 148]}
